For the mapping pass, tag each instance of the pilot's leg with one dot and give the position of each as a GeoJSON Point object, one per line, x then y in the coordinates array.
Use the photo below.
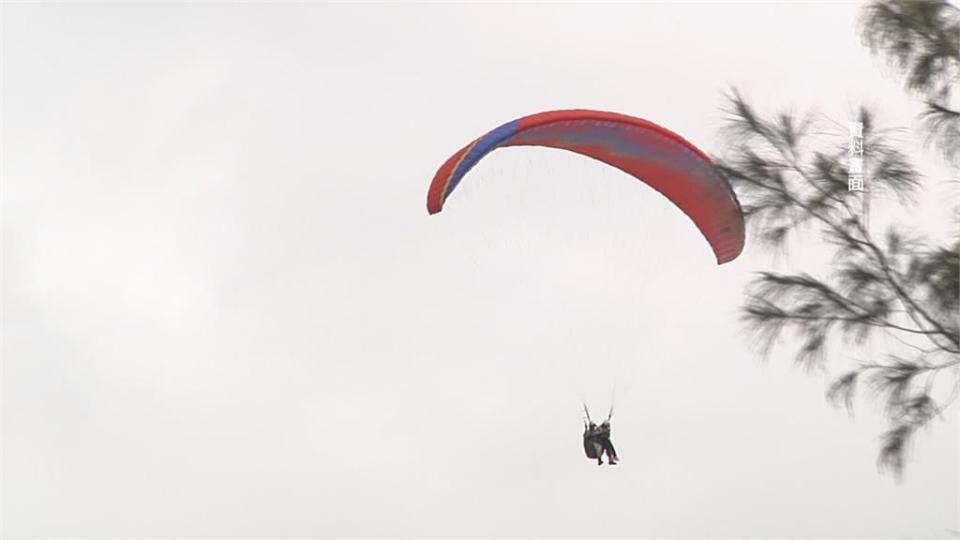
{"type": "Point", "coordinates": [612, 458]}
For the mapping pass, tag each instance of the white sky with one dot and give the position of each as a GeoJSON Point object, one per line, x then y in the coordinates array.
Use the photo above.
{"type": "Point", "coordinates": [226, 311]}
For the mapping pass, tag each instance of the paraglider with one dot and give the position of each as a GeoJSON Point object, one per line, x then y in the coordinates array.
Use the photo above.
{"type": "Point", "coordinates": [652, 154]}
{"type": "Point", "coordinates": [603, 435]}
{"type": "Point", "coordinates": [596, 439]}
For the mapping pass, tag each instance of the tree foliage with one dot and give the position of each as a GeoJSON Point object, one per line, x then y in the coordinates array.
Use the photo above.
{"type": "Point", "coordinates": [893, 282]}
{"type": "Point", "coordinates": [922, 40]}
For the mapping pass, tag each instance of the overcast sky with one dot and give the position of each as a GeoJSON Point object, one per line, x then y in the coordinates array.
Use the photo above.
{"type": "Point", "coordinates": [227, 312]}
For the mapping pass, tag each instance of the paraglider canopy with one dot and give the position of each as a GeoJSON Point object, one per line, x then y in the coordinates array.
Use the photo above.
{"type": "Point", "coordinates": [654, 155]}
